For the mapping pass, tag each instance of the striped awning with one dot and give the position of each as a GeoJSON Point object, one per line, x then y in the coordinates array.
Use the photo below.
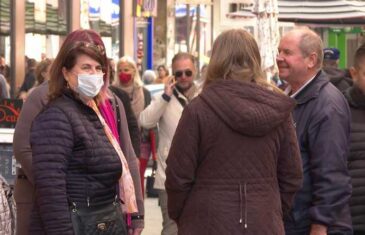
{"type": "Point", "coordinates": [54, 24]}
{"type": "Point", "coordinates": [4, 17]}
{"type": "Point", "coordinates": [322, 11]}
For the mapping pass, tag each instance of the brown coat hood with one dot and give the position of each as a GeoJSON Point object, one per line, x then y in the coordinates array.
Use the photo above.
{"type": "Point", "coordinates": [250, 109]}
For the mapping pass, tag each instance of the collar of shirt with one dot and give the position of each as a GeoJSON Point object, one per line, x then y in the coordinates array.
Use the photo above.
{"type": "Point", "coordinates": [288, 89]}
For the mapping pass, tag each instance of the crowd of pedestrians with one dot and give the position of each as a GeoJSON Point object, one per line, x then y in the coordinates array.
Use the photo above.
{"type": "Point", "coordinates": [236, 154]}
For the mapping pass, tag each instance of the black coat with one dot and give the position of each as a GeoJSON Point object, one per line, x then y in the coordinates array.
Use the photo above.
{"type": "Point", "coordinates": [131, 118]}
{"type": "Point", "coordinates": [73, 160]}
{"type": "Point", "coordinates": [338, 78]}
{"type": "Point", "coordinates": [356, 161]}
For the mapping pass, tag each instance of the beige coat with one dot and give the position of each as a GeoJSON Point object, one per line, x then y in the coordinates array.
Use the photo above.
{"type": "Point", "coordinates": [167, 116]}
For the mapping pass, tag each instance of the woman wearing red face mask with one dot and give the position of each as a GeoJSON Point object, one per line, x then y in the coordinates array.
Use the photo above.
{"type": "Point", "coordinates": [129, 80]}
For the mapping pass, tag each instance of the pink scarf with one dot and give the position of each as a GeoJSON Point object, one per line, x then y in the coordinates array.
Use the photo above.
{"type": "Point", "coordinates": [107, 112]}
{"type": "Point", "coordinates": [126, 186]}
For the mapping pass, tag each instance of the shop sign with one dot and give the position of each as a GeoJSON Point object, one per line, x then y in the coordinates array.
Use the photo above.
{"type": "Point", "coordinates": [194, 2]}
{"type": "Point", "coordinates": [9, 112]}
{"type": "Point", "coordinates": [146, 8]}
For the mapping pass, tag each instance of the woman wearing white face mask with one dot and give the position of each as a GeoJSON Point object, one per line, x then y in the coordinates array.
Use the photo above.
{"type": "Point", "coordinates": [80, 167]}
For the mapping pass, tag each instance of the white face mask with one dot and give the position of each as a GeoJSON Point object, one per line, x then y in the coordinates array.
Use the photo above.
{"type": "Point", "coordinates": [89, 85]}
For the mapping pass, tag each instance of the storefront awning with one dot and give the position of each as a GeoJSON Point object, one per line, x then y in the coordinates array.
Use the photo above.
{"type": "Point", "coordinates": [322, 11]}
{"type": "Point", "coordinates": [4, 17]}
{"type": "Point", "coordinates": [319, 12]}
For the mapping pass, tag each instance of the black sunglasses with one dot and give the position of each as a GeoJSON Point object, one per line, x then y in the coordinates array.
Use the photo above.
{"type": "Point", "coordinates": [187, 72]}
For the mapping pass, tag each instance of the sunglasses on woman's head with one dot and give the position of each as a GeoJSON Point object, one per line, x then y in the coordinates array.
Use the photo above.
{"type": "Point", "coordinates": [179, 73]}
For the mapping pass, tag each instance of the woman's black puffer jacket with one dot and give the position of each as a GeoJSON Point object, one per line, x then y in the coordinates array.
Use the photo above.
{"type": "Point", "coordinates": [73, 160]}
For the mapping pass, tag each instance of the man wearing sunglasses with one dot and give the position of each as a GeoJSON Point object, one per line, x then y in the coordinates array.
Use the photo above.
{"type": "Point", "coordinates": [165, 110]}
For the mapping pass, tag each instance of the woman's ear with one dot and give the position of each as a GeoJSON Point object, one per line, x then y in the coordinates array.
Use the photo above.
{"type": "Point", "coordinates": [65, 74]}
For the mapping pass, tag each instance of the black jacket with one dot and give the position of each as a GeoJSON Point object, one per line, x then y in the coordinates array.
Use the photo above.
{"type": "Point", "coordinates": [131, 118]}
{"type": "Point", "coordinates": [338, 78]}
{"type": "Point", "coordinates": [73, 161]}
{"type": "Point", "coordinates": [322, 118]}
{"type": "Point", "coordinates": [356, 161]}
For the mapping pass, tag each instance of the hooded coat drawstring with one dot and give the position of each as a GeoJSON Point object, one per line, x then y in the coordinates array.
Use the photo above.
{"type": "Point", "coordinates": [245, 198]}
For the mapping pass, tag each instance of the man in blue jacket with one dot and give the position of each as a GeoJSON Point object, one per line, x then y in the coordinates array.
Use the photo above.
{"type": "Point", "coordinates": [322, 119]}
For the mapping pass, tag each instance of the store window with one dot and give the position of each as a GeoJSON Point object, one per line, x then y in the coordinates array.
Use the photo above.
{"type": "Point", "coordinates": [193, 31]}
{"type": "Point", "coordinates": [103, 17]}
{"type": "Point", "coordinates": [45, 24]}
{"type": "Point", "coordinates": [5, 17]}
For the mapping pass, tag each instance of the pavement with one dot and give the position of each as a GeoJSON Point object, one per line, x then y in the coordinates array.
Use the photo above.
{"type": "Point", "coordinates": [153, 217]}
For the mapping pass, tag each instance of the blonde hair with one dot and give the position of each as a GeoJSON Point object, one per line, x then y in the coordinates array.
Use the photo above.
{"type": "Point", "coordinates": [137, 82]}
{"type": "Point", "coordinates": [236, 56]}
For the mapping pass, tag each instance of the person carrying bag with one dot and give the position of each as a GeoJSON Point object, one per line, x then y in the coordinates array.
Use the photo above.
{"type": "Point", "coordinates": [151, 192]}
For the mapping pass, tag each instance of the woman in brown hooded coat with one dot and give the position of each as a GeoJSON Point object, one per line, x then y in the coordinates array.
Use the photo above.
{"type": "Point", "coordinates": [234, 165]}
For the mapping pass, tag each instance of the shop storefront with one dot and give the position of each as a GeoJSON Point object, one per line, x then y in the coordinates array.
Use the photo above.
{"type": "Point", "coordinates": [150, 31]}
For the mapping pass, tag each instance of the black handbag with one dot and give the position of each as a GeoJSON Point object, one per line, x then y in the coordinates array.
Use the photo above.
{"type": "Point", "coordinates": [150, 191]}
{"type": "Point", "coordinates": [104, 220]}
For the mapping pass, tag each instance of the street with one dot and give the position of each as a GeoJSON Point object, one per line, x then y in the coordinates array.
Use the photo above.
{"type": "Point", "coordinates": [153, 217]}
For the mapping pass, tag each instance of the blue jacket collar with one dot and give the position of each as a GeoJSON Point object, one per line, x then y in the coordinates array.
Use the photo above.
{"type": "Point", "coordinates": [312, 90]}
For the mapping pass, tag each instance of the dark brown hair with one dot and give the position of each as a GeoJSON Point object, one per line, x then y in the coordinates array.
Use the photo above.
{"type": "Point", "coordinates": [81, 41]}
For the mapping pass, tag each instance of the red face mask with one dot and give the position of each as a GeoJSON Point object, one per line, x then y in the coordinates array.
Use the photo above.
{"type": "Point", "coordinates": [124, 78]}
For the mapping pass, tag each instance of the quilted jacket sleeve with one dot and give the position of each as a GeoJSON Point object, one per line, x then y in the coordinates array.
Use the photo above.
{"type": "Point", "coordinates": [130, 156]}
{"type": "Point", "coordinates": [21, 145]}
{"type": "Point", "coordinates": [52, 142]}
{"type": "Point", "coordinates": [182, 162]}
{"type": "Point", "coordinates": [290, 172]}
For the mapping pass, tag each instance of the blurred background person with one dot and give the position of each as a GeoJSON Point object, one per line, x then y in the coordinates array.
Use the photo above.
{"type": "Point", "coordinates": [5, 71]}
{"type": "Point", "coordinates": [4, 88]}
{"type": "Point", "coordinates": [131, 118]}
{"type": "Point", "coordinates": [29, 79]}
{"type": "Point", "coordinates": [355, 96]}
{"type": "Point", "coordinates": [148, 77]}
{"type": "Point", "coordinates": [129, 80]}
{"type": "Point", "coordinates": [41, 73]}
{"type": "Point", "coordinates": [163, 74]}
{"type": "Point", "coordinates": [338, 77]}
{"type": "Point", "coordinates": [112, 70]}
{"type": "Point", "coordinates": [234, 164]}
